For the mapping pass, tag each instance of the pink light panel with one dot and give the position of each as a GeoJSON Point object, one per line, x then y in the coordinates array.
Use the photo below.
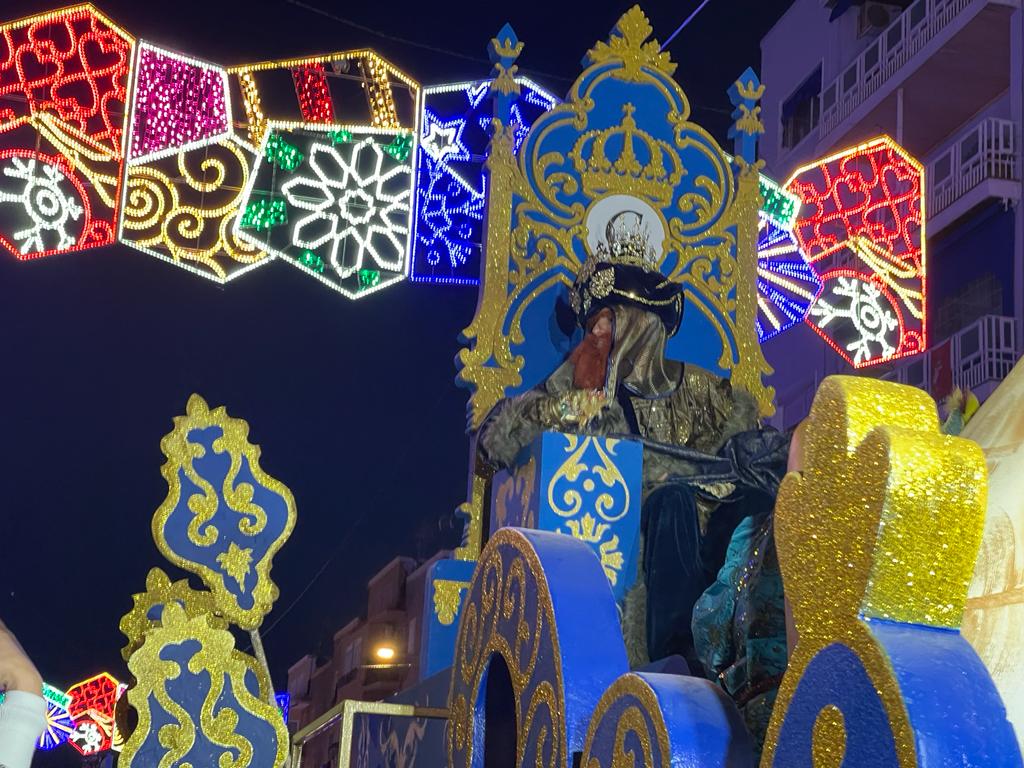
{"type": "Point", "coordinates": [178, 101]}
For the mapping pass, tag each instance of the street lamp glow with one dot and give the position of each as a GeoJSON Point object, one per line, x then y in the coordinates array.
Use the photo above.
{"type": "Point", "coordinates": [385, 653]}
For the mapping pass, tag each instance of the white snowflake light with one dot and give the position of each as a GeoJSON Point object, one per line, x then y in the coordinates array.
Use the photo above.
{"type": "Point", "coordinates": [45, 203]}
{"type": "Point", "coordinates": [870, 315]}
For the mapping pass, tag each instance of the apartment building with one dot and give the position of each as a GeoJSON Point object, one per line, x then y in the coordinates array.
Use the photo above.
{"type": "Point", "coordinates": [944, 79]}
{"type": "Point", "coordinates": [372, 657]}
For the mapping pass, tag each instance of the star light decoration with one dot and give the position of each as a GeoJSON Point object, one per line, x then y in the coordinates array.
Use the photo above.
{"type": "Point", "coordinates": [861, 227]}
{"type": "Point", "coordinates": [450, 191]}
{"type": "Point", "coordinates": [63, 77]}
{"type": "Point", "coordinates": [342, 212]}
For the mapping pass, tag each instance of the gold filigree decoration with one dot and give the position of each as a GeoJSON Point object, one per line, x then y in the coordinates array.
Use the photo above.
{"type": "Point", "coordinates": [749, 120]}
{"type": "Point", "coordinates": [447, 597]}
{"type": "Point", "coordinates": [747, 90]}
{"type": "Point", "coordinates": [473, 511]}
{"type": "Point", "coordinates": [750, 367]}
{"type": "Point", "coordinates": [828, 739]}
{"type": "Point", "coordinates": [627, 45]}
{"type": "Point", "coordinates": [208, 545]}
{"type": "Point", "coordinates": [488, 365]}
{"type": "Point", "coordinates": [160, 590]}
{"type": "Point", "coordinates": [217, 656]}
{"type": "Point", "coordinates": [505, 49]}
{"type": "Point", "coordinates": [182, 209]}
{"type": "Point", "coordinates": [592, 532]}
{"type": "Point", "coordinates": [640, 722]}
{"type": "Point", "coordinates": [497, 622]}
{"type": "Point", "coordinates": [654, 180]}
{"type": "Point", "coordinates": [570, 503]}
{"type": "Point", "coordinates": [885, 519]}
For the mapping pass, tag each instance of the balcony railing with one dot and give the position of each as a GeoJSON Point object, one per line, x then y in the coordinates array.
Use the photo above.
{"type": "Point", "coordinates": [907, 35]}
{"type": "Point", "coordinates": [983, 352]}
{"type": "Point", "coordinates": [986, 151]}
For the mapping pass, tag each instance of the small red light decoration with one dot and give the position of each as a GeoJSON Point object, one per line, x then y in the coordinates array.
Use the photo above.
{"type": "Point", "coordinates": [71, 63]}
{"type": "Point", "coordinates": [861, 226]}
{"type": "Point", "coordinates": [314, 93]}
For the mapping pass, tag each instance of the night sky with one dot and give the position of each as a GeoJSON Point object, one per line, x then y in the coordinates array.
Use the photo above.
{"type": "Point", "coordinates": [353, 403]}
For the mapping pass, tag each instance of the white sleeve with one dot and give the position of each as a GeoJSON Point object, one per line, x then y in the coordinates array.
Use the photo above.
{"type": "Point", "coordinates": [22, 720]}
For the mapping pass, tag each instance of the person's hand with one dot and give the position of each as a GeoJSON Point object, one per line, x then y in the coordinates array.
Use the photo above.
{"type": "Point", "coordinates": [17, 672]}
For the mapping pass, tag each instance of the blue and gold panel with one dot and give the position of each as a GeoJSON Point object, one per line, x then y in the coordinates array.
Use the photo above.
{"type": "Point", "coordinates": [447, 582]}
{"type": "Point", "coordinates": [147, 607]}
{"type": "Point", "coordinates": [884, 518]}
{"type": "Point", "coordinates": [587, 487]}
{"type": "Point", "coordinates": [664, 721]}
{"type": "Point", "coordinates": [199, 701]}
{"type": "Point", "coordinates": [224, 518]}
{"type": "Point", "coordinates": [538, 615]}
{"type": "Point", "coordinates": [622, 141]}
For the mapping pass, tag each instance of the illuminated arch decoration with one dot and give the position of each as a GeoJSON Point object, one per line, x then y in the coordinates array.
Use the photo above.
{"type": "Point", "coordinates": [861, 226]}
{"type": "Point", "coordinates": [885, 519]}
{"type": "Point", "coordinates": [334, 201]}
{"type": "Point", "coordinates": [786, 285]}
{"type": "Point", "coordinates": [190, 676]}
{"type": "Point", "coordinates": [540, 605]}
{"type": "Point", "coordinates": [357, 87]}
{"type": "Point", "coordinates": [624, 131]}
{"type": "Point", "coordinates": [450, 191]}
{"type": "Point", "coordinates": [63, 79]}
{"type": "Point", "coordinates": [224, 518]}
{"type": "Point", "coordinates": [59, 727]}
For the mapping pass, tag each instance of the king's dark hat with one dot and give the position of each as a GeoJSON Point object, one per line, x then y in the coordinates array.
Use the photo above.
{"type": "Point", "coordinates": [623, 271]}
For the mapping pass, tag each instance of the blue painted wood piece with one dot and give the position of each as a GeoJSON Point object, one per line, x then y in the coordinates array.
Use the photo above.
{"type": "Point", "coordinates": [676, 721]}
{"type": "Point", "coordinates": [539, 643]}
{"type": "Point", "coordinates": [583, 486]}
{"type": "Point", "coordinates": [441, 611]}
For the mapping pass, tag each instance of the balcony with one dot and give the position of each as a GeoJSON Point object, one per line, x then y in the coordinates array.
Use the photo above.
{"type": "Point", "coordinates": [979, 356]}
{"type": "Point", "coordinates": [959, 46]}
{"type": "Point", "coordinates": [980, 165]}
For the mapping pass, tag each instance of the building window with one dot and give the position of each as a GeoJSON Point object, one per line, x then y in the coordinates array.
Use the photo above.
{"type": "Point", "coordinates": [801, 111]}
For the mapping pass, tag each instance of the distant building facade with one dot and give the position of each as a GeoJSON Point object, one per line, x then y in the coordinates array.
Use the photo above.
{"type": "Point", "coordinates": [372, 657]}
{"type": "Point", "coordinates": [945, 79]}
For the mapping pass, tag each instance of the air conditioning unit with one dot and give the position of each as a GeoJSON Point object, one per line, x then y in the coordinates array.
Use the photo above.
{"type": "Point", "coordinates": [876, 17]}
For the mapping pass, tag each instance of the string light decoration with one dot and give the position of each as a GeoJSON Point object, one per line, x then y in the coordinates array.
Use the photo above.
{"type": "Point", "coordinates": [861, 226]}
{"type": "Point", "coordinates": [71, 63]}
{"type": "Point", "coordinates": [182, 209]}
{"type": "Point", "coordinates": [59, 726]}
{"type": "Point", "coordinates": [314, 94]}
{"type": "Point", "coordinates": [284, 702]}
{"type": "Point", "coordinates": [786, 284]}
{"type": "Point", "coordinates": [177, 102]}
{"type": "Point", "coordinates": [317, 104]}
{"type": "Point", "coordinates": [779, 206]}
{"type": "Point", "coordinates": [343, 216]}
{"type": "Point", "coordinates": [454, 136]}
{"type": "Point", "coordinates": [63, 78]}
{"type": "Point", "coordinates": [92, 711]}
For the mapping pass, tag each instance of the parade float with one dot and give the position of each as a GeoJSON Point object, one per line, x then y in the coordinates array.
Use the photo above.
{"type": "Point", "coordinates": [553, 210]}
